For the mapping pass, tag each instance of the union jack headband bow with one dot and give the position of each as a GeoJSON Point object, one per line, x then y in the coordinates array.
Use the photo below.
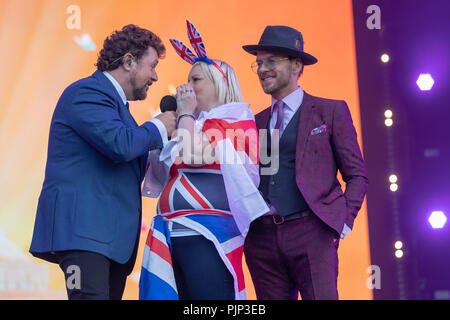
{"type": "Point", "coordinates": [199, 47]}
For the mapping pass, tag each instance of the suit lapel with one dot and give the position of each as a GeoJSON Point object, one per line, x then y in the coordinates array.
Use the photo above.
{"type": "Point", "coordinates": [262, 119]}
{"type": "Point", "coordinates": [127, 118]}
{"type": "Point", "coordinates": [124, 112]}
{"type": "Point", "coordinates": [108, 86]}
{"type": "Point", "coordinates": [306, 111]}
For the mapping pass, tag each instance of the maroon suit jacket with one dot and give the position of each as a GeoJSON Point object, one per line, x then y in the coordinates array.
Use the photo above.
{"type": "Point", "coordinates": [320, 155]}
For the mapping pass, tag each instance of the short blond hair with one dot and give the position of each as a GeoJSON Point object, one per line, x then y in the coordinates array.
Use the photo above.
{"type": "Point", "coordinates": [227, 91]}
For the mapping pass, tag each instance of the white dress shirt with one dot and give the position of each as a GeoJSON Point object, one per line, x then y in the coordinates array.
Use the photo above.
{"type": "Point", "coordinates": [292, 102]}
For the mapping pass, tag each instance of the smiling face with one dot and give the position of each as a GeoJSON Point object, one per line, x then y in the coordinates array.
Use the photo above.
{"type": "Point", "coordinates": [280, 80]}
{"type": "Point", "coordinates": [143, 74]}
{"type": "Point", "coordinates": [204, 88]}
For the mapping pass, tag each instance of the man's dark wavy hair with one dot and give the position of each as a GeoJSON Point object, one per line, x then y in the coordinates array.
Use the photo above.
{"type": "Point", "coordinates": [131, 39]}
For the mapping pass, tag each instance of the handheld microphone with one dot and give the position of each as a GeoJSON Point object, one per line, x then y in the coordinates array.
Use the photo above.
{"type": "Point", "coordinates": [168, 103]}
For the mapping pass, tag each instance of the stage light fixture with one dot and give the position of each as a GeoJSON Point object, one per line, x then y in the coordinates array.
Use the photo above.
{"type": "Point", "coordinates": [437, 219]}
{"type": "Point", "coordinates": [398, 244]}
{"type": "Point", "coordinates": [85, 42]}
{"type": "Point", "coordinates": [399, 253]}
{"type": "Point", "coordinates": [388, 122]}
{"type": "Point", "coordinates": [425, 82]}
{"type": "Point", "coordinates": [393, 178]}
{"type": "Point", "coordinates": [172, 89]}
{"type": "Point", "coordinates": [388, 113]}
{"type": "Point", "coordinates": [393, 187]}
{"type": "Point", "coordinates": [385, 58]}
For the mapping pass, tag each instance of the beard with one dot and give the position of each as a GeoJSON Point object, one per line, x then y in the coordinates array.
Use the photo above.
{"type": "Point", "coordinates": [280, 81]}
{"type": "Point", "coordinates": [276, 85]}
{"type": "Point", "coordinates": [139, 93]}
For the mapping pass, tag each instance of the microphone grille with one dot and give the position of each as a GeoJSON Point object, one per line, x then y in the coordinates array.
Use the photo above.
{"type": "Point", "coordinates": [168, 103]}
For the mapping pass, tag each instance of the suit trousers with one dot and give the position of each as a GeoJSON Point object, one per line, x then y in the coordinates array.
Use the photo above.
{"type": "Point", "coordinates": [92, 276]}
{"type": "Point", "coordinates": [298, 255]}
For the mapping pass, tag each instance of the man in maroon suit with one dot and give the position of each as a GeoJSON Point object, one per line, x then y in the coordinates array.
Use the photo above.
{"type": "Point", "coordinates": [294, 247]}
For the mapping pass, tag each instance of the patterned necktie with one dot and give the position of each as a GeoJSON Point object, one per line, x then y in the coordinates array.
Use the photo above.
{"type": "Point", "coordinates": [279, 108]}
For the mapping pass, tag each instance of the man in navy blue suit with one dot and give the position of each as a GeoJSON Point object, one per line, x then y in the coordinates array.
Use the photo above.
{"type": "Point", "coordinates": [89, 212]}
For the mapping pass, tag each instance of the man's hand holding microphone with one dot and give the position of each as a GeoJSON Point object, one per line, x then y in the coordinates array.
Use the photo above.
{"type": "Point", "coordinates": [168, 115]}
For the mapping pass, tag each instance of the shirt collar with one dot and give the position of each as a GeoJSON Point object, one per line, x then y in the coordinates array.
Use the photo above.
{"type": "Point", "coordinates": [117, 86]}
{"type": "Point", "coordinates": [292, 100]}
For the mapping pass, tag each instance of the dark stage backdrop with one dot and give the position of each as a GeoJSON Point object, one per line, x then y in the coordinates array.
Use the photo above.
{"type": "Point", "coordinates": [415, 148]}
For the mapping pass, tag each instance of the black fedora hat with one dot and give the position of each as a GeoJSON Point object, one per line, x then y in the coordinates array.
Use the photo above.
{"type": "Point", "coordinates": [282, 39]}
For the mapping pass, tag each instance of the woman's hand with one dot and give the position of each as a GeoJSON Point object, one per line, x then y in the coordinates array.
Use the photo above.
{"type": "Point", "coordinates": [186, 99]}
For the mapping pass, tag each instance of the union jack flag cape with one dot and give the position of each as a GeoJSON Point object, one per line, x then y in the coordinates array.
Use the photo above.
{"type": "Point", "coordinates": [227, 226]}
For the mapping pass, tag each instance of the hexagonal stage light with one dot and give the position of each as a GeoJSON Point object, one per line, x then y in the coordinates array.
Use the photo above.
{"type": "Point", "coordinates": [425, 82]}
{"type": "Point", "coordinates": [437, 219]}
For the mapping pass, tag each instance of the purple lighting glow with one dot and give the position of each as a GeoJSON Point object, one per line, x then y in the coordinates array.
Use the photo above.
{"type": "Point", "coordinates": [437, 219]}
{"type": "Point", "coordinates": [425, 82]}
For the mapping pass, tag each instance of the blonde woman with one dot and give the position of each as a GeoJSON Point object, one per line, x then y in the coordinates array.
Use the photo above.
{"type": "Point", "coordinates": [207, 179]}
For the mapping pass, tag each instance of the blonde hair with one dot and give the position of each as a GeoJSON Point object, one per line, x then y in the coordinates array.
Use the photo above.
{"type": "Point", "coordinates": [227, 91]}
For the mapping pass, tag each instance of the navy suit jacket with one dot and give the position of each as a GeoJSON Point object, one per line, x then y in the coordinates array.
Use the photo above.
{"type": "Point", "coordinates": [91, 195]}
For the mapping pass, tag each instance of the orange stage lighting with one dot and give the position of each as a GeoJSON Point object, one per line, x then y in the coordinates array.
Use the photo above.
{"type": "Point", "coordinates": [48, 44]}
